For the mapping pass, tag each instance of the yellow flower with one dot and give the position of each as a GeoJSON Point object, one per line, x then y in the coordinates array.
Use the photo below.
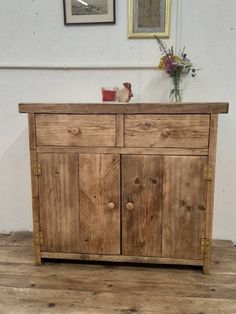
{"type": "Point", "coordinates": [162, 63]}
{"type": "Point", "coordinates": [177, 59]}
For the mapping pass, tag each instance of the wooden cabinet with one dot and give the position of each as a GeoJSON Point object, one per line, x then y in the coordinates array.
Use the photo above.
{"type": "Point", "coordinates": [123, 182]}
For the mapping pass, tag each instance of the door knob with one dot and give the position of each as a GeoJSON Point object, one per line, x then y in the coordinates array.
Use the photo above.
{"type": "Point", "coordinates": [111, 205]}
{"type": "Point", "coordinates": [130, 206]}
{"type": "Point", "coordinates": [147, 125]}
{"type": "Point", "coordinates": [166, 132]}
{"type": "Point", "coordinates": [74, 131]}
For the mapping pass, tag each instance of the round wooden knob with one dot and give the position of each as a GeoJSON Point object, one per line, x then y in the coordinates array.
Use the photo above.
{"type": "Point", "coordinates": [147, 125]}
{"type": "Point", "coordinates": [166, 132]}
{"type": "Point", "coordinates": [111, 205]}
{"type": "Point", "coordinates": [74, 131]}
{"type": "Point", "coordinates": [130, 206]}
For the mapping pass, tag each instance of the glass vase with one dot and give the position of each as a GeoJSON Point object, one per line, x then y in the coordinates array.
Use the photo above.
{"type": "Point", "coordinates": [176, 91]}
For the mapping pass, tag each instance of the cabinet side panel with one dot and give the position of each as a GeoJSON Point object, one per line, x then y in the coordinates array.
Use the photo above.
{"type": "Point", "coordinates": [210, 189]}
{"type": "Point", "coordinates": [142, 205]}
{"type": "Point", "coordinates": [59, 202]}
{"type": "Point", "coordinates": [184, 206]}
{"type": "Point", "coordinates": [34, 187]}
{"type": "Point", "coordinates": [100, 203]}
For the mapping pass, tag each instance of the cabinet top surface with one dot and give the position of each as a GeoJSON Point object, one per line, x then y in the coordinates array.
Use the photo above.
{"type": "Point", "coordinates": [124, 108]}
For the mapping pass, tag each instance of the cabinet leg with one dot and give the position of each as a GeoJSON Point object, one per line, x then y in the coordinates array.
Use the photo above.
{"type": "Point", "coordinates": [37, 260]}
{"type": "Point", "coordinates": [206, 266]}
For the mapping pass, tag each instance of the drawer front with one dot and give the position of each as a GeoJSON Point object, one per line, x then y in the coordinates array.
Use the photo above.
{"type": "Point", "coordinates": [185, 131]}
{"type": "Point", "coordinates": [75, 130]}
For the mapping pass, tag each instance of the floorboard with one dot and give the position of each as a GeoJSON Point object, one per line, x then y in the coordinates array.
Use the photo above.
{"type": "Point", "coordinates": [101, 289]}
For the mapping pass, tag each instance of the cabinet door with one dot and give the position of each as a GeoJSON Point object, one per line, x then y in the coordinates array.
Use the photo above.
{"type": "Point", "coordinates": [99, 181]}
{"type": "Point", "coordinates": [184, 206]}
{"type": "Point", "coordinates": [142, 205]}
{"type": "Point", "coordinates": [59, 202]}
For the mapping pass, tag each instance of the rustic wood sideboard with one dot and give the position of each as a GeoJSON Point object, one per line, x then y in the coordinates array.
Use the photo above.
{"type": "Point", "coordinates": [123, 182]}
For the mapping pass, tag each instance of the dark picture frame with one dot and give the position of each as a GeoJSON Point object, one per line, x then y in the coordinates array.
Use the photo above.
{"type": "Point", "coordinates": [86, 12]}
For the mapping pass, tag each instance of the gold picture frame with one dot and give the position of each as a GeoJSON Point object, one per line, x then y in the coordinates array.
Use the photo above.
{"type": "Point", "coordinates": [156, 21]}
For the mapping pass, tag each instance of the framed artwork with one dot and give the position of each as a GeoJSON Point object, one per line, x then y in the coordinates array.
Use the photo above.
{"type": "Point", "coordinates": [148, 18]}
{"type": "Point", "coordinates": [89, 12]}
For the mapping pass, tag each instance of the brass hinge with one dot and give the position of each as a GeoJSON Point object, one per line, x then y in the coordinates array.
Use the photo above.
{"type": "Point", "coordinates": [208, 172]}
{"type": "Point", "coordinates": [36, 169]}
{"type": "Point", "coordinates": [205, 245]}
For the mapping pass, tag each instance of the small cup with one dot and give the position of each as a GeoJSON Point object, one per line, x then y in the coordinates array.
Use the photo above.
{"type": "Point", "coordinates": [109, 93]}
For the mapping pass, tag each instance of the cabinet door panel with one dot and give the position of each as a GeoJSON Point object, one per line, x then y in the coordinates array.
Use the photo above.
{"type": "Point", "coordinates": [184, 206]}
{"type": "Point", "coordinates": [59, 202]}
{"type": "Point", "coordinates": [100, 203]}
{"type": "Point", "coordinates": [142, 205]}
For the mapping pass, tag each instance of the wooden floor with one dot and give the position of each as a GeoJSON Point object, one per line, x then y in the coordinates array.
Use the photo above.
{"type": "Point", "coordinates": [102, 289]}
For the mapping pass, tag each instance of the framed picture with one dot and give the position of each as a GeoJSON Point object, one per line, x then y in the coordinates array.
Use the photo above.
{"type": "Point", "coordinates": [89, 12]}
{"type": "Point", "coordinates": [148, 18]}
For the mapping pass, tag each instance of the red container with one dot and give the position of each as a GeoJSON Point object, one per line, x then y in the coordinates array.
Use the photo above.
{"type": "Point", "coordinates": [109, 94]}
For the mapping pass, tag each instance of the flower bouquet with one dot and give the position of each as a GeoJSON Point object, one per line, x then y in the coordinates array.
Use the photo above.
{"type": "Point", "coordinates": [177, 66]}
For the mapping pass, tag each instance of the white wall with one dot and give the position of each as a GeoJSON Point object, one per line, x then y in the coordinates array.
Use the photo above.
{"type": "Point", "coordinates": [32, 34]}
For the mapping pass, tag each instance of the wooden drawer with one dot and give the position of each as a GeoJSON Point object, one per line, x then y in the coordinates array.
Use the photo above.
{"type": "Point", "coordinates": [186, 131]}
{"type": "Point", "coordinates": [75, 130]}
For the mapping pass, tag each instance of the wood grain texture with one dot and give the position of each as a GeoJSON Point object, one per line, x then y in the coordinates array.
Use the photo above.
{"type": "Point", "coordinates": [210, 190]}
{"type": "Point", "coordinates": [120, 130]}
{"type": "Point", "coordinates": [33, 154]}
{"type": "Point", "coordinates": [191, 131]}
{"type": "Point", "coordinates": [124, 150]}
{"type": "Point", "coordinates": [32, 131]}
{"type": "Point", "coordinates": [124, 108]}
{"type": "Point", "coordinates": [99, 182]}
{"type": "Point", "coordinates": [119, 302]}
{"type": "Point", "coordinates": [184, 207]}
{"type": "Point", "coordinates": [34, 188]}
{"type": "Point", "coordinates": [34, 178]}
{"type": "Point", "coordinates": [122, 258]}
{"type": "Point", "coordinates": [102, 289]}
{"type": "Point", "coordinates": [75, 130]}
{"type": "Point", "coordinates": [163, 286]}
{"type": "Point", "coordinates": [36, 228]}
{"type": "Point", "coordinates": [142, 187]}
{"type": "Point", "coordinates": [59, 202]}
